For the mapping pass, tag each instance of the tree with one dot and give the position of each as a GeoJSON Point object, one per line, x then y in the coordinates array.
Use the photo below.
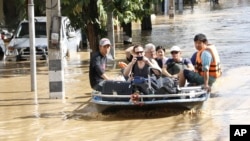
{"type": "Point", "coordinates": [13, 12]}
{"type": "Point", "coordinates": [91, 15]}
{"type": "Point", "coordinates": [146, 23]}
{"type": "Point", "coordinates": [85, 15]}
{"type": "Point", "coordinates": [2, 21]}
{"type": "Point", "coordinates": [126, 12]}
{"type": "Point", "coordinates": [16, 10]}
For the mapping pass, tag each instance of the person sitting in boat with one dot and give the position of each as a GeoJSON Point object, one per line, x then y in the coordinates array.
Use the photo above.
{"type": "Point", "coordinates": [128, 54]}
{"type": "Point", "coordinates": [193, 58]}
{"type": "Point", "coordinates": [140, 64]}
{"type": "Point", "coordinates": [160, 56]}
{"type": "Point", "coordinates": [150, 52]}
{"type": "Point", "coordinates": [174, 65]}
{"type": "Point", "coordinates": [207, 65]}
{"type": "Point", "coordinates": [97, 65]}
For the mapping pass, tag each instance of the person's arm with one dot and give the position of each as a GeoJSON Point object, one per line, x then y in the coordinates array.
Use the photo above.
{"type": "Point", "coordinates": [166, 73]}
{"type": "Point", "coordinates": [165, 69]}
{"type": "Point", "coordinates": [98, 67]}
{"type": "Point", "coordinates": [206, 78]}
{"type": "Point", "coordinates": [153, 64]}
{"type": "Point", "coordinates": [190, 66]}
{"type": "Point", "coordinates": [104, 76]}
{"type": "Point", "coordinates": [128, 53]}
{"type": "Point", "coordinates": [206, 61]}
{"type": "Point", "coordinates": [128, 69]}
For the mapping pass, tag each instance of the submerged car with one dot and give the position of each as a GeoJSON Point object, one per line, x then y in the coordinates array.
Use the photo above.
{"type": "Point", "coordinates": [19, 47]}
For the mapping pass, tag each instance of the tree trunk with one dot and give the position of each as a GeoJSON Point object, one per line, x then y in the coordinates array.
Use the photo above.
{"type": "Point", "coordinates": [11, 15]}
{"type": "Point", "coordinates": [2, 21]}
{"type": "Point", "coordinates": [146, 23]}
{"type": "Point", "coordinates": [90, 11]}
{"type": "Point", "coordinates": [127, 28]}
{"type": "Point", "coordinates": [92, 38]}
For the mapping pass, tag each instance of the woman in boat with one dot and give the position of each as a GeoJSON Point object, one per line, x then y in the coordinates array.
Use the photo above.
{"type": "Point", "coordinates": [160, 56]}
{"type": "Point", "coordinates": [174, 65]}
{"type": "Point", "coordinates": [140, 64]}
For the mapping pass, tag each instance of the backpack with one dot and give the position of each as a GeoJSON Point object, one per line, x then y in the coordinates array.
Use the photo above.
{"type": "Point", "coordinates": [169, 86]}
{"type": "Point", "coordinates": [144, 85]}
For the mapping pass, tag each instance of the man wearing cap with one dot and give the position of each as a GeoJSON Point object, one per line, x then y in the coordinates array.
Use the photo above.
{"type": "Point", "coordinates": [174, 65]}
{"type": "Point", "coordinates": [207, 64]}
{"type": "Point", "coordinates": [98, 63]}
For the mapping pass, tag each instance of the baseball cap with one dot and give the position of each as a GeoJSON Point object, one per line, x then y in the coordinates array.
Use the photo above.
{"type": "Point", "coordinates": [175, 48]}
{"type": "Point", "coordinates": [104, 41]}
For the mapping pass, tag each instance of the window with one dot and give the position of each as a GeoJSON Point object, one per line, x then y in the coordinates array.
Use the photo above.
{"type": "Point", "coordinates": [40, 29]}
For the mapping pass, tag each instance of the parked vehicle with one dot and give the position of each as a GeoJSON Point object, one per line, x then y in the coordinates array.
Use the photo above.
{"type": "Point", "coordinates": [19, 49]}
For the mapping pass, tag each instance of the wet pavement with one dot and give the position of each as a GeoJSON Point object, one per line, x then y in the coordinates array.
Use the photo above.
{"type": "Point", "coordinates": [27, 116]}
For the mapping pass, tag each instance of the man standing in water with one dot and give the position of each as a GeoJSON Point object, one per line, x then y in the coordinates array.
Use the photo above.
{"type": "Point", "coordinates": [98, 63]}
{"type": "Point", "coordinates": [207, 65]}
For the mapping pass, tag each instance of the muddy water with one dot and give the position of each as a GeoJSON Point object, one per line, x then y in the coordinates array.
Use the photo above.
{"type": "Point", "coordinates": [23, 117]}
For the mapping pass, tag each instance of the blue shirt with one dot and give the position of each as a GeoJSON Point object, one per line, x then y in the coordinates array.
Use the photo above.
{"type": "Point", "coordinates": [206, 58]}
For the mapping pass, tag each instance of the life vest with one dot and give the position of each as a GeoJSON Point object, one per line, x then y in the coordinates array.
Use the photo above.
{"type": "Point", "coordinates": [215, 68]}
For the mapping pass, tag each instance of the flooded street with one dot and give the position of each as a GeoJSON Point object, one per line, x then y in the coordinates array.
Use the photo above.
{"type": "Point", "coordinates": [25, 117]}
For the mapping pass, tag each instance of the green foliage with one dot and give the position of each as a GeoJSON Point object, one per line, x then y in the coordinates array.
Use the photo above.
{"type": "Point", "coordinates": [73, 9]}
{"type": "Point", "coordinates": [20, 4]}
{"type": "Point", "coordinates": [125, 10]}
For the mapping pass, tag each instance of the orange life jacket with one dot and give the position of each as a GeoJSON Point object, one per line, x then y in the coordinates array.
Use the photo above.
{"type": "Point", "coordinates": [215, 68]}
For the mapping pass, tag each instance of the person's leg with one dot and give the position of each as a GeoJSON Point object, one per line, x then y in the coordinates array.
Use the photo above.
{"type": "Point", "coordinates": [98, 87]}
{"type": "Point", "coordinates": [193, 77]}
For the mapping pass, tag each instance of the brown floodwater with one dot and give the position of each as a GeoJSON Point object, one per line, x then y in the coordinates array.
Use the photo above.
{"type": "Point", "coordinates": [28, 116]}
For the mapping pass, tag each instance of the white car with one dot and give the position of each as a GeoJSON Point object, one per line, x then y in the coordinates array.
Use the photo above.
{"type": "Point", "coordinates": [19, 49]}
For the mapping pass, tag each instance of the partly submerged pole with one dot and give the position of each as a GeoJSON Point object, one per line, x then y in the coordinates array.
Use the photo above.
{"type": "Point", "coordinates": [32, 45]}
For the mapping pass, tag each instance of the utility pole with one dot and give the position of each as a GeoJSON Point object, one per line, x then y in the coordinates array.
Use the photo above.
{"type": "Point", "coordinates": [55, 52]}
{"type": "Point", "coordinates": [32, 45]}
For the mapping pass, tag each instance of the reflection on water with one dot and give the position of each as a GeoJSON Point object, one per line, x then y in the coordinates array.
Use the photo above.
{"type": "Point", "coordinates": [24, 118]}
